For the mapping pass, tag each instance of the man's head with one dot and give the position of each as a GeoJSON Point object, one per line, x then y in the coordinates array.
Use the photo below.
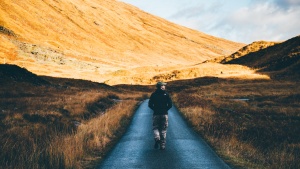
{"type": "Point", "coordinates": [161, 85]}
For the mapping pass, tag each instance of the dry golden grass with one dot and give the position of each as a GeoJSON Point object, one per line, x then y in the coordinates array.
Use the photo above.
{"type": "Point", "coordinates": [64, 124]}
{"type": "Point", "coordinates": [150, 75]}
{"type": "Point", "coordinates": [261, 132]}
{"type": "Point", "coordinates": [7, 50]}
{"type": "Point", "coordinates": [93, 138]}
{"type": "Point", "coordinates": [39, 118]}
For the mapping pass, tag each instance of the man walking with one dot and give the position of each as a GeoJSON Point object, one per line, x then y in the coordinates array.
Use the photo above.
{"type": "Point", "coordinates": [160, 102]}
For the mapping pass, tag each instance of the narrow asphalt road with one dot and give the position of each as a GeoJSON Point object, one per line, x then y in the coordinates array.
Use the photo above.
{"type": "Point", "coordinates": [184, 148]}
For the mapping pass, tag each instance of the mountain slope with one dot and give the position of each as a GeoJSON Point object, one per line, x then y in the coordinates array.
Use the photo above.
{"type": "Point", "coordinates": [253, 47]}
{"type": "Point", "coordinates": [87, 39]}
{"type": "Point", "coordinates": [283, 58]}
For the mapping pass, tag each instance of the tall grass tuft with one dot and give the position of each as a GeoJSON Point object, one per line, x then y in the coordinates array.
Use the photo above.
{"type": "Point", "coordinates": [93, 138]}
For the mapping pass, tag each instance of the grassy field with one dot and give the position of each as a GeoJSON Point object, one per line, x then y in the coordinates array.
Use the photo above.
{"type": "Point", "coordinates": [251, 124]}
{"type": "Point", "coordinates": [65, 123]}
{"type": "Point", "coordinates": [61, 124]}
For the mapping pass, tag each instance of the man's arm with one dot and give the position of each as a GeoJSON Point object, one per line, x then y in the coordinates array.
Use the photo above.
{"type": "Point", "coordinates": [150, 103]}
{"type": "Point", "coordinates": [169, 106]}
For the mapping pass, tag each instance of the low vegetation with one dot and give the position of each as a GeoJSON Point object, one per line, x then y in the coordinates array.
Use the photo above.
{"type": "Point", "coordinates": [65, 123]}
{"type": "Point", "coordinates": [59, 123]}
{"type": "Point", "coordinates": [251, 124]}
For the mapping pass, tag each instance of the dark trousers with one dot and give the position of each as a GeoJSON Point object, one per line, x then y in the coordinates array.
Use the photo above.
{"type": "Point", "coordinates": [160, 125]}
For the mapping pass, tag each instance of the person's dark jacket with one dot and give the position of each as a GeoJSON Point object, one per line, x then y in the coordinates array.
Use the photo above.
{"type": "Point", "coordinates": [160, 102]}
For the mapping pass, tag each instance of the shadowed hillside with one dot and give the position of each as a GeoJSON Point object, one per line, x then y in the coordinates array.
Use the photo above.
{"type": "Point", "coordinates": [284, 58]}
{"type": "Point", "coordinates": [97, 38]}
{"type": "Point", "coordinates": [14, 74]}
{"type": "Point", "coordinates": [253, 47]}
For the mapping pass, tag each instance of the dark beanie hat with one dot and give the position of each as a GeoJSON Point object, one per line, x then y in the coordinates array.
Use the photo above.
{"type": "Point", "coordinates": [159, 84]}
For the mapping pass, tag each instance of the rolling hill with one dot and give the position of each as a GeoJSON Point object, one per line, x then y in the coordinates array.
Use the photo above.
{"type": "Point", "coordinates": [253, 47]}
{"type": "Point", "coordinates": [282, 59]}
{"type": "Point", "coordinates": [10, 74]}
{"type": "Point", "coordinates": [98, 40]}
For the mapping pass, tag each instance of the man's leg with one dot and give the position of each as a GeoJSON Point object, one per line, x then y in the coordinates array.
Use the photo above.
{"type": "Point", "coordinates": [155, 125]}
{"type": "Point", "coordinates": [164, 126]}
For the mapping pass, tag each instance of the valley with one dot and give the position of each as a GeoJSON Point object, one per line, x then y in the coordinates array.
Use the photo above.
{"type": "Point", "coordinates": [73, 73]}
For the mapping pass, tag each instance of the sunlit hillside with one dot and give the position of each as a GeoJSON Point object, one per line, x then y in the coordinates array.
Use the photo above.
{"type": "Point", "coordinates": [95, 39]}
{"type": "Point", "coordinates": [150, 75]}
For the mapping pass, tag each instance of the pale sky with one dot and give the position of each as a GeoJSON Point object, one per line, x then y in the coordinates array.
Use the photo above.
{"type": "Point", "coordinates": [243, 21]}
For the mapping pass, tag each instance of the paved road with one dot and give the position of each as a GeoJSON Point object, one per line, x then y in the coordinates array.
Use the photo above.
{"type": "Point", "coordinates": [184, 148]}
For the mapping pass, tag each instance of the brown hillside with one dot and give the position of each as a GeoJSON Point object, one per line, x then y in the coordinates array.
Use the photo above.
{"type": "Point", "coordinates": [284, 58]}
{"type": "Point", "coordinates": [14, 74]}
{"type": "Point", "coordinates": [253, 47]}
{"type": "Point", "coordinates": [90, 39]}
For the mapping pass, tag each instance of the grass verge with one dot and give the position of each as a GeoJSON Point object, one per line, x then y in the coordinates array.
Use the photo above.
{"type": "Point", "coordinates": [63, 124]}
{"type": "Point", "coordinates": [251, 124]}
